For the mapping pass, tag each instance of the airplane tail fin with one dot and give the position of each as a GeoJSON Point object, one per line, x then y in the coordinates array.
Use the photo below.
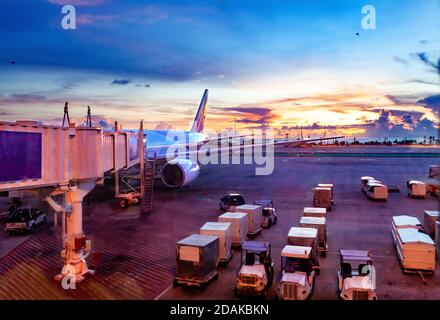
{"type": "Point", "coordinates": [199, 120]}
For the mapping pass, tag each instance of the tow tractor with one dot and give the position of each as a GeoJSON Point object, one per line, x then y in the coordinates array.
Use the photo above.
{"type": "Point", "coordinates": [356, 277]}
{"type": "Point", "coordinates": [256, 272]}
{"type": "Point", "coordinates": [130, 195]}
{"type": "Point", "coordinates": [269, 212]}
{"type": "Point", "coordinates": [297, 280]}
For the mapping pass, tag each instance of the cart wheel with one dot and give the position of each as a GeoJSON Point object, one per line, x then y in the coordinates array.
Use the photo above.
{"type": "Point", "coordinates": [269, 223]}
{"type": "Point", "coordinates": [123, 203]}
{"type": "Point", "coordinates": [32, 230]}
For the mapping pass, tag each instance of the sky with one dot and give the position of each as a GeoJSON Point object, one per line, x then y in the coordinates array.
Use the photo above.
{"type": "Point", "coordinates": [280, 64]}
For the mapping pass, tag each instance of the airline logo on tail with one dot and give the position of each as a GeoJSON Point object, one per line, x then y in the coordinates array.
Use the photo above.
{"type": "Point", "coordinates": [199, 119]}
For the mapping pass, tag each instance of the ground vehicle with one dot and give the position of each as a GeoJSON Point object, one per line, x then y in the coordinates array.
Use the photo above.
{"type": "Point", "coordinates": [297, 276]}
{"type": "Point", "coordinates": [416, 189]}
{"type": "Point", "coordinates": [256, 271]}
{"type": "Point", "coordinates": [269, 212]}
{"type": "Point", "coordinates": [127, 199]}
{"type": "Point", "coordinates": [231, 200]}
{"type": "Point", "coordinates": [25, 219]}
{"type": "Point", "coordinates": [356, 276]}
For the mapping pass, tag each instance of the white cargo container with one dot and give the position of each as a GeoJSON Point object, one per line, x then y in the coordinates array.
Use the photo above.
{"type": "Point", "coordinates": [254, 215]}
{"type": "Point", "coordinates": [307, 237]}
{"type": "Point", "coordinates": [314, 212]}
{"type": "Point", "coordinates": [319, 224]}
{"type": "Point", "coordinates": [404, 221]}
{"type": "Point", "coordinates": [223, 231]}
{"type": "Point", "coordinates": [429, 220]}
{"type": "Point", "coordinates": [322, 198]}
{"type": "Point", "coordinates": [416, 189]}
{"type": "Point", "coordinates": [239, 228]}
{"type": "Point", "coordinates": [415, 250]}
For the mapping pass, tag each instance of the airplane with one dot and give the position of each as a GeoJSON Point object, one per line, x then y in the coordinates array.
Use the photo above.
{"type": "Point", "coordinates": [182, 170]}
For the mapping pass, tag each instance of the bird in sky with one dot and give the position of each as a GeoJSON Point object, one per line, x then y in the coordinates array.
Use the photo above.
{"type": "Point", "coordinates": [357, 34]}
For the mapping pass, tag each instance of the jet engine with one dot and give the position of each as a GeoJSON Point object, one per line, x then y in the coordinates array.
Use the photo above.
{"type": "Point", "coordinates": [179, 172]}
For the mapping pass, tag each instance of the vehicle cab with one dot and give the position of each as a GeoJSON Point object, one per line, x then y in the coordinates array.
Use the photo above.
{"type": "Point", "coordinates": [231, 200]}
{"type": "Point", "coordinates": [255, 275]}
{"type": "Point", "coordinates": [297, 276]}
{"type": "Point", "coordinates": [269, 213]}
{"type": "Point", "coordinates": [356, 276]}
{"type": "Point", "coordinates": [25, 219]}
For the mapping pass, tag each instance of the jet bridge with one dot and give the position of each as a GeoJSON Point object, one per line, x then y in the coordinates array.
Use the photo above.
{"type": "Point", "coordinates": [53, 160]}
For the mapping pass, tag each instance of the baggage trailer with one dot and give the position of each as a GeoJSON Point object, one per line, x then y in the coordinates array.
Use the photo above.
{"type": "Point", "coordinates": [314, 212]}
{"type": "Point", "coordinates": [322, 198]}
{"type": "Point", "coordinates": [319, 224]}
{"type": "Point", "coordinates": [434, 171]}
{"type": "Point", "coordinates": [356, 280]}
{"type": "Point", "coordinates": [223, 231]}
{"type": "Point", "coordinates": [328, 185]}
{"type": "Point", "coordinates": [239, 227]}
{"type": "Point", "coordinates": [297, 281]}
{"type": "Point", "coordinates": [416, 189]}
{"type": "Point", "coordinates": [255, 218]}
{"type": "Point", "coordinates": [415, 250]}
{"type": "Point", "coordinates": [306, 237]}
{"type": "Point", "coordinates": [196, 258]}
{"type": "Point", "coordinates": [429, 220]}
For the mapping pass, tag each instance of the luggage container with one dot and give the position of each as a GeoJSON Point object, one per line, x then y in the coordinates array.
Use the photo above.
{"type": "Point", "coordinates": [239, 228]}
{"type": "Point", "coordinates": [429, 220]}
{"type": "Point", "coordinates": [306, 237]}
{"type": "Point", "coordinates": [376, 191]}
{"type": "Point", "coordinates": [327, 185]}
{"type": "Point", "coordinates": [322, 198]}
{"type": "Point", "coordinates": [196, 258]}
{"type": "Point", "coordinates": [434, 171]}
{"type": "Point", "coordinates": [223, 231]}
{"type": "Point", "coordinates": [404, 221]}
{"type": "Point", "coordinates": [255, 217]}
{"type": "Point", "coordinates": [314, 212]}
{"type": "Point", "coordinates": [416, 189]}
{"type": "Point", "coordinates": [415, 250]}
{"type": "Point", "coordinates": [319, 224]}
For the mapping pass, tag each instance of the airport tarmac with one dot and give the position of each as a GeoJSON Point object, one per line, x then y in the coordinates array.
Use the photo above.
{"type": "Point", "coordinates": [136, 255]}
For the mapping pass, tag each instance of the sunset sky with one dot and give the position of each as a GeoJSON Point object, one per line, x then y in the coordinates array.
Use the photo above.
{"type": "Point", "coordinates": [281, 64]}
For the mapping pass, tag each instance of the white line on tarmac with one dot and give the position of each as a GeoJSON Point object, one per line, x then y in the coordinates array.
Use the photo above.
{"type": "Point", "coordinates": [163, 292]}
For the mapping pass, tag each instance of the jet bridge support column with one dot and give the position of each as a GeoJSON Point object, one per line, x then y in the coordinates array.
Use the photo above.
{"type": "Point", "coordinates": [75, 246]}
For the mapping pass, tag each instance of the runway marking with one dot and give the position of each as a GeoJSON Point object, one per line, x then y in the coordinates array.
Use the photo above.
{"type": "Point", "coordinates": [163, 292]}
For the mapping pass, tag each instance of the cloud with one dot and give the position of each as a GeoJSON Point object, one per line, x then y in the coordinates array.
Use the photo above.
{"type": "Point", "coordinates": [22, 98]}
{"type": "Point", "coordinates": [252, 115]}
{"type": "Point", "coordinates": [86, 19]}
{"type": "Point", "coordinates": [162, 125]}
{"type": "Point", "coordinates": [432, 102]}
{"type": "Point", "coordinates": [423, 57]}
{"type": "Point", "coordinates": [121, 82]}
{"type": "Point", "coordinates": [400, 60]}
